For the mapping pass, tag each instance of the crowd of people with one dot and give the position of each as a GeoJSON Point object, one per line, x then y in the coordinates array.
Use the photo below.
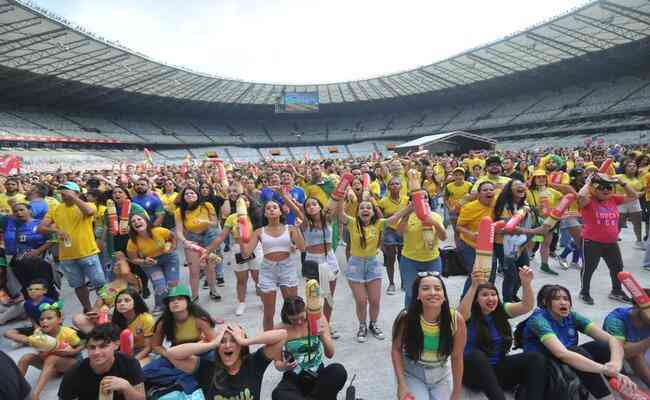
{"type": "Point", "coordinates": [115, 237]}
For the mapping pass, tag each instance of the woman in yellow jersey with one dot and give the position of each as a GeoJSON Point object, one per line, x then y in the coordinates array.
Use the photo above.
{"type": "Point", "coordinates": [570, 225]}
{"type": "Point", "coordinates": [352, 198]}
{"type": "Point", "coordinates": [643, 164]}
{"type": "Point", "coordinates": [364, 270]}
{"type": "Point", "coordinates": [417, 255]}
{"type": "Point", "coordinates": [455, 192]}
{"type": "Point", "coordinates": [183, 321]}
{"type": "Point", "coordinates": [432, 186]}
{"type": "Point", "coordinates": [542, 199]}
{"type": "Point", "coordinates": [631, 211]}
{"type": "Point", "coordinates": [426, 336]}
{"type": "Point", "coordinates": [168, 197]}
{"type": "Point", "coordinates": [390, 204]}
{"type": "Point", "coordinates": [243, 267]}
{"type": "Point", "coordinates": [132, 312]}
{"type": "Point", "coordinates": [154, 249]}
{"type": "Point", "coordinates": [196, 223]}
{"type": "Point", "coordinates": [277, 271]}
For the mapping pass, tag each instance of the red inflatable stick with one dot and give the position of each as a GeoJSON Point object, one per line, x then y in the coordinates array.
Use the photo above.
{"type": "Point", "coordinates": [126, 342]}
{"type": "Point", "coordinates": [242, 220]}
{"type": "Point", "coordinates": [559, 210]}
{"type": "Point", "coordinates": [111, 211]}
{"type": "Point", "coordinates": [221, 172]}
{"type": "Point", "coordinates": [102, 316]}
{"type": "Point", "coordinates": [638, 394]}
{"type": "Point", "coordinates": [421, 205]}
{"type": "Point", "coordinates": [194, 247]}
{"type": "Point", "coordinates": [341, 188]}
{"type": "Point", "coordinates": [638, 293]}
{"type": "Point", "coordinates": [484, 247]}
{"type": "Point", "coordinates": [556, 177]}
{"type": "Point", "coordinates": [124, 217]}
{"type": "Point", "coordinates": [605, 166]}
{"type": "Point", "coordinates": [516, 219]}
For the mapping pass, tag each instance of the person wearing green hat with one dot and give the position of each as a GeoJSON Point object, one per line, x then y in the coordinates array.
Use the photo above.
{"type": "Point", "coordinates": [72, 222]}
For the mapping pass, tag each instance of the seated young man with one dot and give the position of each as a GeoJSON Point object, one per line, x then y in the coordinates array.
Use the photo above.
{"type": "Point", "coordinates": [105, 369]}
{"type": "Point", "coordinates": [631, 326]}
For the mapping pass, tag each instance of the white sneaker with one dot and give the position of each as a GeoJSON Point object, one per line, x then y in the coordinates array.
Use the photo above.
{"type": "Point", "coordinates": [241, 307]}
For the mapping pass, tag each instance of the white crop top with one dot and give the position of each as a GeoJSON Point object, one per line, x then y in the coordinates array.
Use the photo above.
{"type": "Point", "coordinates": [273, 244]}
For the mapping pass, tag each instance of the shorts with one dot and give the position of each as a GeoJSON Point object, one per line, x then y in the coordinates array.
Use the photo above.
{"type": "Point", "coordinates": [571, 222]}
{"type": "Point", "coordinates": [164, 273]}
{"type": "Point", "coordinates": [277, 274]}
{"type": "Point", "coordinates": [630, 208]}
{"type": "Point", "coordinates": [77, 270]}
{"type": "Point", "coordinates": [329, 259]}
{"type": "Point", "coordinates": [205, 238]}
{"type": "Point", "coordinates": [391, 237]}
{"type": "Point", "coordinates": [364, 269]}
{"type": "Point", "coordinates": [252, 265]}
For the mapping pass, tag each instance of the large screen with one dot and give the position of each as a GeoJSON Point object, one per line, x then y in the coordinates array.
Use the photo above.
{"type": "Point", "coordinates": [297, 102]}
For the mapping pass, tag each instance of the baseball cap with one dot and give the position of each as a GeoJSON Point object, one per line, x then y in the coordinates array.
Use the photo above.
{"type": "Point", "coordinates": [69, 185]}
{"type": "Point", "coordinates": [539, 172]}
{"type": "Point", "coordinates": [494, 159]}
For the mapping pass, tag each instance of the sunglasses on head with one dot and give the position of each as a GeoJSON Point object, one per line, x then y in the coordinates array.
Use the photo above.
{"type": "Point", "coordinates": [424, 274]}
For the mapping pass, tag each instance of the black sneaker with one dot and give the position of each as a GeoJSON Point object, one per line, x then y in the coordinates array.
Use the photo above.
{"type": "Point", "coordinates": [362, 333]}
{"type": "Point", "coordinates": [376, 331]}
{"type": "Point", "coordinates": [214, 295]}
{"type": "Point", "coordinates": [205, 284]}
{"type": "Point", "coordinates": [587, 299]}
{"type": "Point", "coordinates": [620, 296]}
{"type": "Point", "coordinates": [221, 282]}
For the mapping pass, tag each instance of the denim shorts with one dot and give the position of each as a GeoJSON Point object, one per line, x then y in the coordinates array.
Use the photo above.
{"type": "Point", "coordinates": [77, 270]}
{"type": "Point", "coordinates": [428, 383]}
{"type": "Point", "coordinates": [277, 274]}
{"type": "Point", "coordinates": [205, 238]}
{"type": "Point", "coordinates": [329, 259]}
{"type": "Point", "coordinates": [391, 237]}
{"type": "Point", "coordinates": [570, 222]}
{"type": "Point", "coordinates": [364, 269]}
{"type": "Point", "coordinates": [164, 273]}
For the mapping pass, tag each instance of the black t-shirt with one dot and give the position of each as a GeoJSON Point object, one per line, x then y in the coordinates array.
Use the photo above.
{"type": "Point", "coordinates": [82, 383]}
{"type": "Point", "coordinates": [14, 385]}
{"type": "Point", "coordinates": [247, 384]}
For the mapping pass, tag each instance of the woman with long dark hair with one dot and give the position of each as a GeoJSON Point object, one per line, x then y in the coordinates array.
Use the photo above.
{"type": "Point", "coordinates": [208, 194]}
{"type": "Point", "coordinates": [235, 372]}
{"type": "Point", "coordinates": [392, 240]}
{"type": "Point", "coordinates": [132, 312]}
{"type": "Point", "coordinates": [425, 336]}
{"type": "Point", "coordinates": [197, 223]}
{"type": "Point", "coordinates": [488, 366]}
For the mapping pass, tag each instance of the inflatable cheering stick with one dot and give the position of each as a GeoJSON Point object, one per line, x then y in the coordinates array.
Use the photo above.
{"type": "Point", "coordinates": [221, 172]}
{"type": "Point", "coordinates": [41, 341]}
{"type": "Point", "coordinates": [484, 248]}
{"type": "Point", "coordinates": [556, 215]}
{"type": "Point", "coordinates": [605, 166]}
{"type": "Point", "coordinates": [638, 293]}
{"type": "Point", "coordinates": [366, 188]}
{"type": "Point", "coordinates": [516, 219]}
{"type": "Point", "coordinates": [126, 342]}
{"type": "Point", "coordinates": [102, 316]}
{"type": "Point", "coordinates": [342, 187]}
{"type": "Point", "coordinates": [637, 394]}
{"type": "Point", "coordinates": [113, 226]}
{"type": "Point", "coordinates": [124, 217]}
{"type": "Point", "coordinates": [314, 306]}
{"type": "Point", "coordinates": [242, 220]}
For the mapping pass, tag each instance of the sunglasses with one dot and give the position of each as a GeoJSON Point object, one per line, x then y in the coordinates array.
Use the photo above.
{"type": "Point", "coordinates": [424, 274]}
{"type": "Point", "coordinates": [604, 187]}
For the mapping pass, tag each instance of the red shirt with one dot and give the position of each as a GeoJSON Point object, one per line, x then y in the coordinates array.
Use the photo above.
{"type": "Point", "coordinates": [600, 219]}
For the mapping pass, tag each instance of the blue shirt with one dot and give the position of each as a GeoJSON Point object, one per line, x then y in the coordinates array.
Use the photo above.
{"type": "Point", "coordinates": [39, 208]}
{"type": "Point", "coordinates": [619, 324]}
{"type": "Point", "coordinates": [297, 193]}
{"type": "Point", "coordinates": [541, 326]}
{"type": "Point", "coordinates": [151, 204]}
{"type": "Point", "coordinates": [495, 337]}
{"type": "Point", "coordinates": [32, 310]}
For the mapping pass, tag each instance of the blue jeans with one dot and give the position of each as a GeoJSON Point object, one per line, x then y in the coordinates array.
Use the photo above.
{"type": "Point", "coordinates": [163, 274]}
{"type": "Point", "coordinates": [468, 255]}
{"type": "Point", "coordinates": [87, 267]}
{"type": "Point", "coordinates": [409, 270]}
{"type": "Point", "coordinates": [511, 283]}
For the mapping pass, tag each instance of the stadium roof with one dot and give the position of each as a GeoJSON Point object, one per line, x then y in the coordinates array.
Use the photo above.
{"type": "Point", "coordinates": [456, 141]}
{"type": "Point", "coordinates": [58, 60]}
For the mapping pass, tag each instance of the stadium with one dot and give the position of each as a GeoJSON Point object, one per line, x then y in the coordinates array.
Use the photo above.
{"type": "Point", "coordinates": [581, 75]}
{"type": "Point", "coordinates": [73, 103]}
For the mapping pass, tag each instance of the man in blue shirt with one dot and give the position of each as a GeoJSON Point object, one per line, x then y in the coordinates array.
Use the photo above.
{"type": "Point", "coordinates": [287, 181]}
{"type": "Point", "coordinates": [149, 201]}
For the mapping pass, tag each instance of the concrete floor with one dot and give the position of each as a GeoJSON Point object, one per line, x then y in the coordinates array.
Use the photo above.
{"type": "Point", "coordinates": [369, 361]}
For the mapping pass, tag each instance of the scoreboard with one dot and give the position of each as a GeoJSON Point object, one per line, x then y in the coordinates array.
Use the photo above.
{"type": "Point", "coordinates": [297, 102]}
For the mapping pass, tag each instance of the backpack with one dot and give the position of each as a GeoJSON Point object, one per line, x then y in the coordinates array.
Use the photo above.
{"type": "Point", "coordinates": [562, 383]}
{"type": "Point", "coordinates": [451, 263]}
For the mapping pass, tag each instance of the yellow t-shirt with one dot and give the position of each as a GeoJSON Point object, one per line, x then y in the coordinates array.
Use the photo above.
{"type": "Point", "coordinates": [431, 339]}
{"type": "Point", "coordinates": [414, 247]}
{"type": "Point", "coordinates": [431, 187]}
{"type": "Point", "coordinates": [457, 192]}
{"type": "Point", "coordinates": [141, 327]}
{"type": "Point", "coordinates": [646, 181]}
{"type": "Point", "coordinates": [99, 216]}
{"type": "Point", "coordinates": [535, 200]}
{"type": "Point", "coordinates": [80, 229]}
{"type": "Point", "coordinates": [404, 191]}
{"type": "Point", "coordinates": [389, 207]}
{"type": "Point", "coordinates": [5, 207]}
{"type": "Point", "coordinates": [231, 223]}
{"type": "Point", "coordinates": [635, 183]}
{"type": "Point", "coordinates": [196, 221]}
{"type": "Point", "coordinates": [69, 336]}
{"type": "Point", "coordinates": [470, 217]}
{"type": "Point", "coordinates": [372, 234]}
{"type": "Point", "coordinates": [150, 247]}
{"type": "Point", "coordinates": [168, 201]}
{"type": "Point", "coordinates": [51, 202]}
